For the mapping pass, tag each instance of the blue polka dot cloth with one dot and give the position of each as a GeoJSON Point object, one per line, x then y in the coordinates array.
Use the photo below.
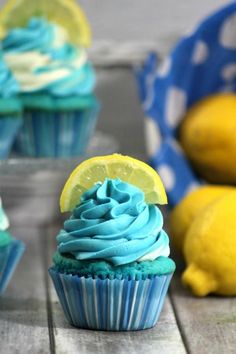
{"type": "Point", "coordinates": [202, 63]}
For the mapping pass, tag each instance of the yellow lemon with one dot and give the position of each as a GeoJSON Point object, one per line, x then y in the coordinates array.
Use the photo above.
{"type": "Point", "coordinates": [207, 135]}
{"type": "Point", "coordinates": [67, 13]}
{"type": "Point", "coordinates": [210, 249]}
{"type": "Point", "coordinates": [184, 213]}
{"type": "Point", "coordinates": [96, 169]}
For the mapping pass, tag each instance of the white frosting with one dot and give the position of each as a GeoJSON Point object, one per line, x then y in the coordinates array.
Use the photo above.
{"type": "Point", "coordinates": [163, 251]}
{"type": "Point", "coordinates": [4, 222]}
{"type": "Point", "coordinates": [26, 61]}
{"type": "Point", "coordinates": [26, 68]}
{"type": "Point", "coordinates": [61, 37]}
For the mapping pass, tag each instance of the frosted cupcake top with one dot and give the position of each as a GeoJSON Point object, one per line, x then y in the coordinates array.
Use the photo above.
{"type": "Point", "coordinates": [114, 223]}
{"type": "Point", "coordinates": [43, 60]}
{"type": "Point", "coordinates": [8, 85]}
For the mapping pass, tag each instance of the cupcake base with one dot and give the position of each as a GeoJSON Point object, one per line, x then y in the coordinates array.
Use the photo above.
{"type": "Point", "coordinates": [9, 258]}
{"type": "Point", "coordinates": [111, 305]}
{"type": "Point", "coordinates": [56, 134]}
{"type": "Point", "coordinates": [9, 126]}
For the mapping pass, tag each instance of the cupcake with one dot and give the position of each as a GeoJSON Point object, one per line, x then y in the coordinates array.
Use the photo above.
{"type": "Point", "coordinates": [111, 269]}
{"type": "Point", "coordinates": [11, 251]}
{"type": "Point", "coordinates": [10, 109]}
{"type": "Point", "coordinates": [57, 83]}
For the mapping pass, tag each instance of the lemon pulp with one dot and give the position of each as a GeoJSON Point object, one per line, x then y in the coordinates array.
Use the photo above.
{"type": "Point", "coordinates": [97, 169]}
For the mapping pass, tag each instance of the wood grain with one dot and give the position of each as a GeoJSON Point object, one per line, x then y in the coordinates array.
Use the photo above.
{"type": "Point", "coordinates": [164, 338]}
{"type": "Point", "coordinates": [32, 321]}
{"type": "Point", "coordinates": [23, 309]}
{"type": "Point", "coordinates": [208, 325]}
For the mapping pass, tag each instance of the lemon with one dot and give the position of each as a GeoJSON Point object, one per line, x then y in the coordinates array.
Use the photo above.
{"type": "Point", "coordinates": [184, 213]}
{"type": "Point", "coordinates": [208, 139]}
{"type": "Point", "coordinates": [96, 169]}
{"type": "Point", "coordinates": [210, 249]}
{"type": "Point", "coordinates": [66, 13]}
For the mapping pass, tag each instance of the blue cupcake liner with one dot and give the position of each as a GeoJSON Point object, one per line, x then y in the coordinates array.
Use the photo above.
{"type": "Point", "coordinates": [9, 258]}
{"type": "Point", "coordinates": [56, 134]}
{"type": "Point", "coordinates": [111, 305]}
{"type": "Point", "coordinates": [9, 126]}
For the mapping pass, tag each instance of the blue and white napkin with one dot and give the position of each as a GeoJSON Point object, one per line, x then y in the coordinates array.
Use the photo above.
{"type": "Point", "coordinates": [202, 63]}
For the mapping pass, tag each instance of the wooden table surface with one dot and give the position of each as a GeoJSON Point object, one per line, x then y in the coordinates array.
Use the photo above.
{"type": "Point", "coordinates": [31, 318]}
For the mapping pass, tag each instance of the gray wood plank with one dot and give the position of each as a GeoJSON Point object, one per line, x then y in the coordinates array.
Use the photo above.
{"type": "Point", "coordinates": [141, 21]}
{"type": "Point", "coordinates": [136, 20]}
{"type": "Point", "coordinates": [208, 324]}
{"type": "Point", "coordinates": [121, 112]}
{"type": "Point", "coordinates": [164, 338]}
{"type": "Point", "coordinates": [23, 315]}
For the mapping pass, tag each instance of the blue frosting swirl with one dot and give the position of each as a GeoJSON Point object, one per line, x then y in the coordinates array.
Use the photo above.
{"type": "Point", "coordinates": [38, 35]}
{"type": "Point", "coordinates": [8, 85]}
{"type": "Point", "coordinates": [114, 223]}
{"type": "Point", "coordinates": [43, 60]}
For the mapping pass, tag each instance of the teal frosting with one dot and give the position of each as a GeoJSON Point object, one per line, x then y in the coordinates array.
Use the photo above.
{"type": "Point", "coordinates": [9, 90]}
{"type": "Point", "coordinates": [8, 85]}
{"type": "Point", "coordinates": [5, 238]}
{"type": "Point", "coordinates": [45, 102]}
{"type": "Point", "coordinates": [12, 106]}
{"type": "Point", "coordinates": [113, 223]}
{"type": "Point", "coordinates": [103, 269]}
{"type": "Point", "coordinates": [38, 35]}
{"type": "Point", "coordinates": [60, 69]}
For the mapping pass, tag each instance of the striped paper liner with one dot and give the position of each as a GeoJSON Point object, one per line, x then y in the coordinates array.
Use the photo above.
{"type": "Point", "coordinates": [56, 134]}
{"type": "Point", "coordinates": [9, 258]}
{"type": "Point", "coordinates": [9, 126]}
{"type": "Point", "coordinates": [112, 305]}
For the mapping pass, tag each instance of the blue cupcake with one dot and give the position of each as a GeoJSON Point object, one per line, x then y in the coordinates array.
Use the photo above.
{"type": "Point", "coordinates": [111, 270]}
{"type": "Point", "coordinates": [57, 83]}
{"type": "Point", "coordinates": [11, 251]}
{"type": "Point", "coordinates": [10, 109]}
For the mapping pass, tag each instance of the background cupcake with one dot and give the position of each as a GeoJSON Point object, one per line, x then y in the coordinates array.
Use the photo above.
{"type": "Point", "coordinates": [57, 83]}
{"type": "Point", "coordinates": [111, 270]}
{"type": "Point", "coordinates": [11, 251]}
{"type": "Point", "coordinates": [10, 109]}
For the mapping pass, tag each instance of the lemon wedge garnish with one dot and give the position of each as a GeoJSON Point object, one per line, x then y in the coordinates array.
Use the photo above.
{"type": "Point", "coordinates": [66, 13]}
{"type": "Point", "coordinates": [97, 169]}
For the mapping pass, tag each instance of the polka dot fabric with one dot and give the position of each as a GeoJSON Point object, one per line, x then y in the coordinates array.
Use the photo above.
{"type": "Point", "coordinates": [202, 63]}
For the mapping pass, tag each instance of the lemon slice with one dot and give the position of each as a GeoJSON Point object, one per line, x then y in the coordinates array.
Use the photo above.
{"type": "Point", "coordinates": [96, 169]}
{"type": "Point", "coordinates": [66, 13]}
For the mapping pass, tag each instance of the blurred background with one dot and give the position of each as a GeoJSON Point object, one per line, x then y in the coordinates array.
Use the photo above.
{"type": "Point", "coordinates": [124, 32]}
